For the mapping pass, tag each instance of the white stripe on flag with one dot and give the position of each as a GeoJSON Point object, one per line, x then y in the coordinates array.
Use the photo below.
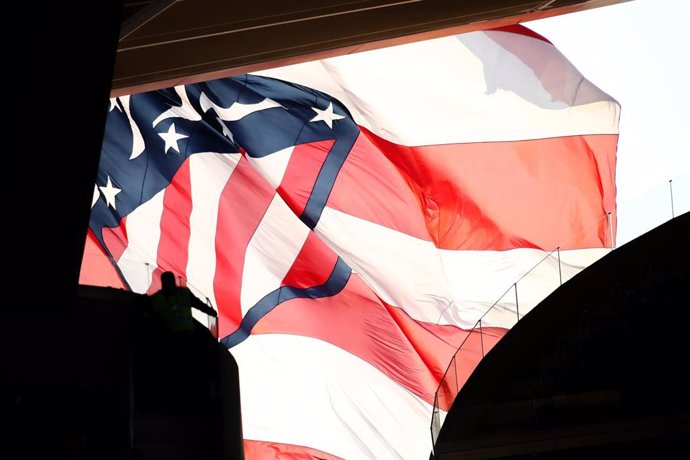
{"type": "Point", "coordinates": [481, 278]}
{"type": "Point", "coordinates": [208, 172]}
{"type": "Point", "coordinates": [345, 406]}
{"type": "Point", "coordinates": [446, 286]}
{"type": "Point", "coordinates": [403, 270]}
{"type": "Point", "coordinates": [272, 167]}
{"type": "Point", "coordinates": [138, 261]}
{"type": "Point", "coordinates": [480, 100]}
{"type": "Point", "coordinates": [280, 232]}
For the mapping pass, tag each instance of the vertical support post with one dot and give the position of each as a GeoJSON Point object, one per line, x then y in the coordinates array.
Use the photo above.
{"type": "Point", "coordinates": [148, 273]}
{"type": "Point", "coordinates": [517, 306]}
{"type": "Point", "coordinates": [434, 424]}
{"type": "Point", "coordinates": [481, 336]}
{"type": "Point", "coordinates": [608, 218]}
{"type": "Point", "coordinates": [212, 322]}
{"type": "Point", "coordinates": [560, 275]}
{"type": "Point", "coordinates": [455, 370]}
{"type": "Point", "coordinates": [130, 397]}
{"type": "Point", "coordinates": [670, 186]}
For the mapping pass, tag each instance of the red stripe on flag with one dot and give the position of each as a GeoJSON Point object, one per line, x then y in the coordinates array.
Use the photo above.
{"type": "Point", "coordinates": [463, 363]}
{"type": "Point", "coordinates": [603, 149]}
{"type": "Point", "coordinates": [172, 252]}
{"type": "Point", "coordinates": [539, 193]}
{"type": "Point", "coordinates": [314, 253]}
{"type": "Point", "coordinates": [413, 354]}
{"type": "Point", "coordinates": [243, 203]}
{"type": "Point", "coordinates": [522, 30]}
{"type": "Point", "coordinates": [302, 170]}
{"type": "Point", "coordinates": [115, 239]}
{"type": "Point", "coordinates": [370, 187]}
{"type": "Point", "coordinates": [470, 347]}
{"type": "Point", "coordinates": [275, 450]}
{"type": "Point", "coordinates": [97, 269]}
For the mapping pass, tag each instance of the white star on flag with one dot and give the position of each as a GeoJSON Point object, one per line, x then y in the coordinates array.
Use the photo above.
{"type": "Point", "coordinates": [171, 138]}
{"type": "Point", "coordinates": [327, 116]}
{"type": "Point", "coordinates": [109, 192]}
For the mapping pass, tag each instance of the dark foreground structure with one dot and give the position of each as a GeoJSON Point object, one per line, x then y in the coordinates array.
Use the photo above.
{"type": "Point", "coordinates": [599, 370]}
{"type": "Point", "coordinates": [66, 367]}
{"type": "Point", "coordinates": [128, 389]}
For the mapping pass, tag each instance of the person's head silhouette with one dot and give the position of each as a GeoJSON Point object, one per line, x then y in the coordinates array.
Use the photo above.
{"type": "Point", "coordinates": [168, 285]}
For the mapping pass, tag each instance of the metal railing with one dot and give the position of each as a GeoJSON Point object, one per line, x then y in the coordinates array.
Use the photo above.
{"type": "Point", "coordinates": [632, 219]}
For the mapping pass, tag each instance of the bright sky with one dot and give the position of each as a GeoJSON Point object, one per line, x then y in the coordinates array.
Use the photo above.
{"type": "Point", "coordinates": [639, 53]}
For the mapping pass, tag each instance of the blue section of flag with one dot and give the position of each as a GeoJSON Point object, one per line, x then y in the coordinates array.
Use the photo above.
{"type": "Point", "coordinates": [333, 285]}
{"type": "Point", "coordinates": [257, 134]}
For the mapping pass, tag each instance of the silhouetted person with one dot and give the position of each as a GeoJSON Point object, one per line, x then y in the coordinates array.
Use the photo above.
{"type": "Point", "coordinates": [184, 359]}
{"type": "Point", "coordinates": [173, 304]}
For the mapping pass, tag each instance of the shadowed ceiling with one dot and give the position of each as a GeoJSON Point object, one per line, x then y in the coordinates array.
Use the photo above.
{"type": "Point", "coordinates": [170, 42]}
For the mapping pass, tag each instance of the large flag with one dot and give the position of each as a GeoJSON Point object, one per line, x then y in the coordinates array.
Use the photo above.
{"type": "Point", "coordinates": [352, 218]}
